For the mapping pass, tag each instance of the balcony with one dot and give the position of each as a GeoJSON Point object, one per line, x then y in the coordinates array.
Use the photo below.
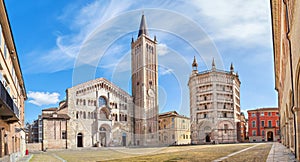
{"type": "Point", "coordinates": [9, 112]}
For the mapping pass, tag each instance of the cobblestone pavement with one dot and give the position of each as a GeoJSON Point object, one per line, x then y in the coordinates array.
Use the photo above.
{"type": "Point", "coordinates": [280, 153]}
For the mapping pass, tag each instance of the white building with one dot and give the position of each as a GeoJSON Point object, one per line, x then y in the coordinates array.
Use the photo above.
{"type": "Point", "coordinates": [214, 105]}
{"type": "Point", "coordinates": [100, 114]}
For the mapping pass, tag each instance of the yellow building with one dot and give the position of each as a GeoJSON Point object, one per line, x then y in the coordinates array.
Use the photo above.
{"type": "Point", "coordinates": [12, 94]}
{"type": "Point", "coordinates": [174, 129]}
{"type": "Point", "coordinates": [286, 31]}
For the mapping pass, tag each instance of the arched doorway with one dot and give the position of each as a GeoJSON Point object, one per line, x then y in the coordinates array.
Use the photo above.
{"type": "Point", "coordinates": [102, 137]}
{"type": "Point", "coordinates": [207, 138]}
{"type": "Point", "coordinates": [270, 136]}
{"type": "Point", "coordinates": [207, 131]}
{"type": "Point", "coordinates": [79, 140]}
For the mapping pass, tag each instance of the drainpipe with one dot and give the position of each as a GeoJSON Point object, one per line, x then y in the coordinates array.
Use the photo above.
{"type": "Point", "coordinates": [291, 69]}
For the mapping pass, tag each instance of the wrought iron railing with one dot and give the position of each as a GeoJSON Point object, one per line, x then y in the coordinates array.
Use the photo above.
{"type": "Point", "coordinates": [5, 97]}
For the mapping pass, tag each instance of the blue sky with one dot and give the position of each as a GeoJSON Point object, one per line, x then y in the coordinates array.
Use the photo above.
{"type": "Point", "coordinates": [64, 43]}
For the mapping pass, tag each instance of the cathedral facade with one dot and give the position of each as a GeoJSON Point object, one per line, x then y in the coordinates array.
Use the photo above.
{"type": "Point", "coordinates": [100, 115]}
{"type": "Point", "coordinates": [214, 105]}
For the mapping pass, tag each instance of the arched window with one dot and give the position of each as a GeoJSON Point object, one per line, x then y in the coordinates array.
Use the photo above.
{"type": "Point", "coordinates": [84, 115]}
{"type": "Point", "coordinates": [102, 101]}
{"type": "Point", "coordinates": [103, 114]}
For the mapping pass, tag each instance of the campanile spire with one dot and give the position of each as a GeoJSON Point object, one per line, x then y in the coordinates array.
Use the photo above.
{"type": "Point", "coordinates": [143, 27]}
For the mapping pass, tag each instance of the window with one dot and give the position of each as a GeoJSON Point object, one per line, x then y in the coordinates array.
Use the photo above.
{"type": "Point", "coordinates": [269, 123]}
{"type": "Point", "coordinates": [84, 115]}
{"type": "Point", "coordinates": [102, 101]}
{"type": "Point", "coordinates": [183, 136]}
{"type": "Point", "coordinates": [224, 107]}
{"type": "Point", "coordinates": [262, 132]}
{"type": "Point", "coordinates": [262, 114]}
{"type": "Point", "coordinates": [253, 133]}
{"type": "Point", "coordinates": [205, 106]}
{"type": "Point", "coordinates": [186, 137]}
{"type": "Point", "coordinates": [225, 127]}
{"type": "Point", "coordinates": [173, 136]}
{"type": "Point", "coordinates": [253, 124]}
{"type": "Point", "coordinates": [64, 135]}
{"type": "Point", "coordinates": [262, 123]}
{"type": "Point", "coordinates": [269, 113]}
{"type": "Point", "coordinates": [277, 123]}
{"type": "Point", "coordinates": [225, 115]}
{"type": "Point", "coordinates": [205, 116]}
{"type": "Point", "coordinates": [173, 120]}
{"type": "Point", "coordinates": [253, 115]}
{"type": "Point", "coordinates": [205, 98]}
{"type": "Point", "coordinates": [5, 51]}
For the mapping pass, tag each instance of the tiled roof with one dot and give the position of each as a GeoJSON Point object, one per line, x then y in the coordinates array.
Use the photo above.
{"type": "Point", "coordinates": [55, 116]}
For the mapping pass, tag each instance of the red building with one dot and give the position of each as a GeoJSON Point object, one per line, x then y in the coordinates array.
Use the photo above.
{"type": "Point", "coordinates": [263, 124]}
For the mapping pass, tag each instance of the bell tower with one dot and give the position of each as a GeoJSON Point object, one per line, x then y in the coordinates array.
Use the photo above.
{"type": "Point", "coordinates": [144, 70]}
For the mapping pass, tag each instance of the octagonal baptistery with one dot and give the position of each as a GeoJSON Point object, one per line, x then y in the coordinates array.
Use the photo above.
{"type": "Point", "coordinates": [214, 105]}
{"type": "Point", "coordinates": [101, 115]}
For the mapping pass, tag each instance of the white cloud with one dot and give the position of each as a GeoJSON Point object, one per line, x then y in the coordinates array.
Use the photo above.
{"type": "Point", "coordinates": [43, 98]}
{"type": "Point", "coordinates": [162, 49]}
{"type": "Point", "coordinates": [246, 22]}
{"type": "Point", "coordinates": [163, 71]}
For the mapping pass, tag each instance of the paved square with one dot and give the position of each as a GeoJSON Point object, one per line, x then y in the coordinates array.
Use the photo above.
{"type": "Point", "coordinates": [250, 152]}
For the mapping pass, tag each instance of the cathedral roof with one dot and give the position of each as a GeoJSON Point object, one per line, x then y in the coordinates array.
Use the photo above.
{"type": "Point", "coordinates": [95, 82]}
{"type": "Point", "coordinates": [171, 113]}
{"type": "Point", "coordinates": [143, 26]}
{"type": "Point", "coordinates": [50, 109]}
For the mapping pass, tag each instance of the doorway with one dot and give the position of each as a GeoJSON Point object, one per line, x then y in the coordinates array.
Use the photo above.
{"type": "Point", "coordinates": [102, 139]}
{"type": "Point", "coordinates": [79, 140]}
{"type": "Point", "coordinates": [270, 136]}
{"type": "Point", "coordinates": [124, 139]}
{"type": "Point", "coordinates": [207, 138]}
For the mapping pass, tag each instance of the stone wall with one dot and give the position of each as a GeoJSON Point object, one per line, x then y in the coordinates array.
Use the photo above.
{"type": "Point", "coordinates": [34, 146]}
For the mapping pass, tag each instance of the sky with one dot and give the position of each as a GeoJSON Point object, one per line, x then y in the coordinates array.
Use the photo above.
{"type": "Point", "coordinates": [64, 43]}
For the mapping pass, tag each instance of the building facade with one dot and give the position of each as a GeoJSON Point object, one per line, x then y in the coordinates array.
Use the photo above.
{"type": "Point", "coordinates": [263, 124]}
{"type": "Point", "coordinates": [285, 30]}
{"type": "Point", "coordinates": [214, 105]}
{"type": "Point", "coordinates": [54, 125]}
{"type": "Point", "coordinates": [34, 131]}
{"type": "Point", "coordinates": [13, 94]}
{"type": "Point", "coordinates": [144, 70]}
{"type": "Point", "coordinates": [101, 114]}
{"type": "Point", "coordinates": [174, 129]}
{"type": "Point", "coordinates": [244, 128]}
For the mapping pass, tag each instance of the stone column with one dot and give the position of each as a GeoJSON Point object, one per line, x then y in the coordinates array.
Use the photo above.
{"type": "Point", "coordinates": [297, 136]}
